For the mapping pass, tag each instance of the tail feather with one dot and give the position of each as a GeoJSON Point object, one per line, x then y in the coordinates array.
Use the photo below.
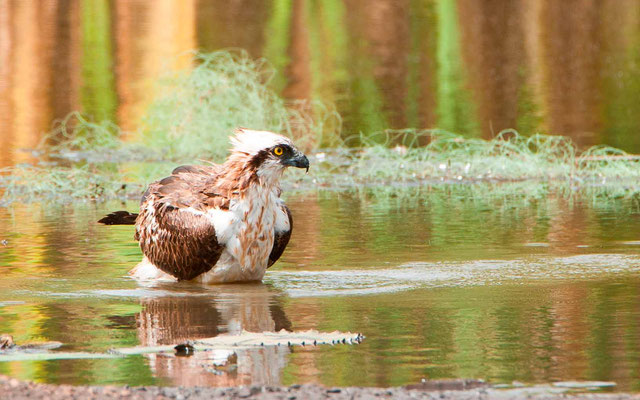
{"type": "Point", "coordinates": [119, 218]}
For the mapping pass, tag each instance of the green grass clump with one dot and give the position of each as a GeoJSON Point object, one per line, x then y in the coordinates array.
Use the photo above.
{"type": "Point", "coordinates": [30, 183]}
{"type": "Point", "coordinates": [194, 114]}
{"type": "Point", "coordinates": [197, 110]}
{"type": "Point", "coordinates": [508, 157]}
{"type": "Point", "coordinates": [78, 138]}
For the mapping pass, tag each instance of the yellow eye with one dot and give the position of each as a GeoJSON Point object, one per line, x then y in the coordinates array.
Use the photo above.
{"type": "Point", "coordinates": [278, 151]}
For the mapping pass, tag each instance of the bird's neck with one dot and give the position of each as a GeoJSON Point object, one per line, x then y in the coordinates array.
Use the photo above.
{"type": "Point", "coordinates": [240, 175]}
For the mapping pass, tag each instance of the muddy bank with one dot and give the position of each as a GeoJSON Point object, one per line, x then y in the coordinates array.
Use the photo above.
{"type": "Point", "coordinates": [459, 390]}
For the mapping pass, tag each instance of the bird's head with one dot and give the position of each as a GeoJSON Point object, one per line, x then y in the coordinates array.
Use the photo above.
{"type": "Point", "coordinates": [268, 153]}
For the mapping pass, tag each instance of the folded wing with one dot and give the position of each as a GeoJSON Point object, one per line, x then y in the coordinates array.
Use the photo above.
{"type": "Point", "coordinates": [281, 238]}
{"type": "Point", "coordinates": [174, 232]}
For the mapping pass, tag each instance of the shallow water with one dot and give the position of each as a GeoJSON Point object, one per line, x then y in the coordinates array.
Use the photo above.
{"type": "Point", "coordinates": [442, 285]}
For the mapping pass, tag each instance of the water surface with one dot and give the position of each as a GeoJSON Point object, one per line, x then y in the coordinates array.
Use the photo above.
{"type": "Point", "coordinates": [442, 285]}
{"type": "Point", "coordinates": [445, 282]}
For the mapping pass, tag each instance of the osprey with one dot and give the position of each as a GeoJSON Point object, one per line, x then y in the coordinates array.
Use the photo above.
{"type": "Point", "coordinates": [217, 223]}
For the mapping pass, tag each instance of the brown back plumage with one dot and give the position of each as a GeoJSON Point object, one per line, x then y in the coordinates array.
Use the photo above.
{"type": "Point", "coordinates": [182, 244]}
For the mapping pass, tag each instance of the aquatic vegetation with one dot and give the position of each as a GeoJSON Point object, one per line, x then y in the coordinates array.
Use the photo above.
{"type": "Point", "coordinates": [75, 132]}
{"type": "Point", "coordinates": [194, 113]}
{"type": "Point", "coordinates": [196, 110]}
{"type": "Point", "coordinates": [508, 157]}
{"type": "Point", "coordinates": [539, 162]}
{"type": "Point", "coordinates": [401, 157]}
{"type": "Point", "coordinates": [45, 183]}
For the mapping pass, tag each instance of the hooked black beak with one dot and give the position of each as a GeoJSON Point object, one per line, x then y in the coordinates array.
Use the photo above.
{"type": "Point", "coordinates": [299, 160]}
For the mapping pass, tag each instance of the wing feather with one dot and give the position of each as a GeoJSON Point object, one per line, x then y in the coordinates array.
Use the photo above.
{"type": "Point", "coordinates": [281, 239]}
{"type": "Point", "coordinates": [173, 229]}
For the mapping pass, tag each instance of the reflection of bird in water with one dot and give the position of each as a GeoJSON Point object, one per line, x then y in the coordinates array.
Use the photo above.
{"type": "Point", "coordinates": [217, 223]}
{"type": "Point", "coordinates": [218, 310]}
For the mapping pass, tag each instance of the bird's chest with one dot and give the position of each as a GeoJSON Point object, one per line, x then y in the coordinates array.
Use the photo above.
{"type": "Point", "coordinates": [255, 218]}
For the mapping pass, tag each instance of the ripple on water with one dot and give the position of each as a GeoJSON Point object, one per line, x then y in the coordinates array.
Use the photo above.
{"type": "Point", "coordinates": [415, 275]}
{"type": "Point", "coordinates": [448, 274]}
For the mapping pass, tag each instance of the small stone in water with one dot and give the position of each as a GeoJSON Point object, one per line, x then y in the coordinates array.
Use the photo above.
{"type": "Point", "coordinates": [184, 350]}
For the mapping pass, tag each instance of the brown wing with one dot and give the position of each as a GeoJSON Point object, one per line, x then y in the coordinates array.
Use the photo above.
{"type": "Point", "coordinates": [172, 228]}
{"type": "Point", "coordinates": [281, 239]}
{"type": "Point", "coordinates": [194, 176]}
